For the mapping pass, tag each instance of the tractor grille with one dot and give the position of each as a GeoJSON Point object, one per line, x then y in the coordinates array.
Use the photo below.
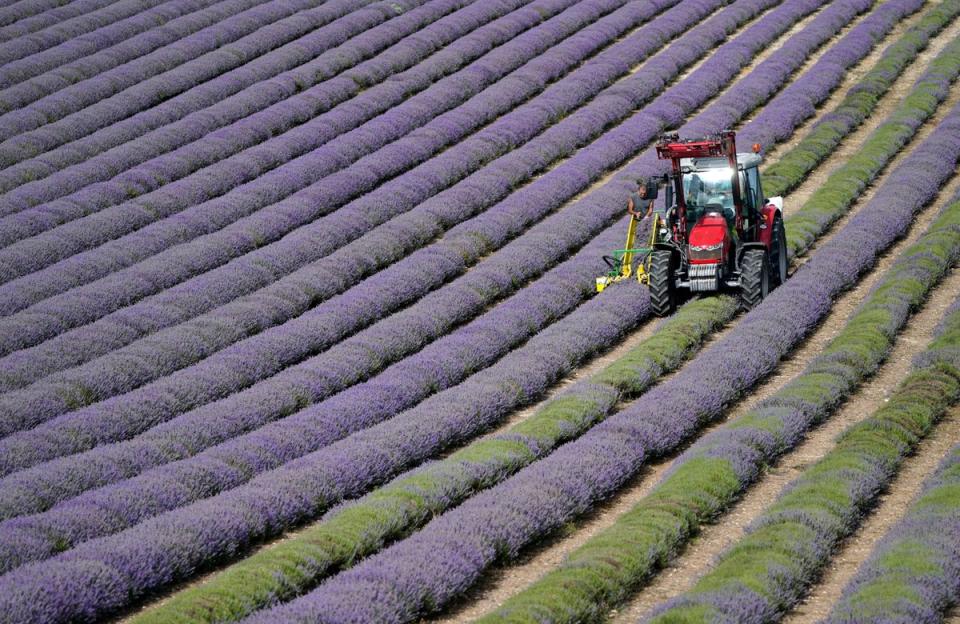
{"type": "Point", "coordinates": [707, 252]}
{"type": "Point", "coordinates": [704, 277]}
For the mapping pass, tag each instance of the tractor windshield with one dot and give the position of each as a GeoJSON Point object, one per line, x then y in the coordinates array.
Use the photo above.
{"type": "Point", "coordinates": [708, 190]}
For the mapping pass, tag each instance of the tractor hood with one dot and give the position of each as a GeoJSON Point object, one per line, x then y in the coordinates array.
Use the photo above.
{"type": "Point", "coordinates": [709, 239]}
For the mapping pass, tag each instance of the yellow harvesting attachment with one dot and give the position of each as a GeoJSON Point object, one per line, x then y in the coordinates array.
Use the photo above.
{"type": "Point", "coordinates": [621, 263]}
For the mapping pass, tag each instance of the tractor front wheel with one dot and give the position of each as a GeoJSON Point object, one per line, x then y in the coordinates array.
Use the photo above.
{"type": "Point", "coordinates": [754, 278]}
{"type": "Point", "coordinates": [663, 293]}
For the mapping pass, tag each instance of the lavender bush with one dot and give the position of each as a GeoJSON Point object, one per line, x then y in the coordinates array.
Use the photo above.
{"type": "Point", "coordinates": [399, 139]}
{"type": "Point", "coordinates": [360, 528]}
{"type": "Point", "coordinates": [767, 571]}
{"type": "Point", "coordinates": [25, 16]}
{"type": "Point", "coordinates": [451, 551]}
{"type": "Point", "coordinates": [415, 190]}
{"type": "Point", "coordinates": [463, 244]}
{"type": "Point", "coordinates": [99, 28]}
{"type": "Point", "coordinates": [216, 132]}
{"type": "Point", "coordinates": [84, 57]}
{"type": "Point", "coordinates": [284, 70]}
{"type": "Point", "coordinates": [858, 103]}
{"type": "Point", "coordinates": [913, 575]}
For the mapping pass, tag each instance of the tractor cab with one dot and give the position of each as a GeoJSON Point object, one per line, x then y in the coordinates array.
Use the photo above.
{"type": "Point", "coordinates": [716, 230]}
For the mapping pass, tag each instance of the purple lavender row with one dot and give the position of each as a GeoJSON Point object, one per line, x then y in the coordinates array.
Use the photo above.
{"type": "Point", "coordinates": [256, 133]}
{"type": "Point", "coordinates": [22, 39]}
{"type": "Point", "coordinates": [210, 134]}
{"type": "Point", "coordinates": [447, 556]}
{"type": "Point", "coordinates": [486, 232]}
{"type": "Point", "coordinates": [428, 429]}
{"type": "Point", "coordinates": [350, 222]}
{"type": "Point", "coordinates": [186, 428]}
{"type": "Point", "coordinates": [913, 574]}
{"type": "Point", "coordinates": [226, 38]}
{"type": "Point", "coordinates": [776, 21]}
{"type": "Point", "coordinates": [27, 16]}
{"type": "Point", "coordinates": [519, 378]}
{"type": "Point", "coordinates": [77, 149]}
{"type": "Point", "coordinates": [438, 366]}
{"type": "Point", "coordinates": [420, 124]}
{"type": "Point", "coordinates": [26, 57]}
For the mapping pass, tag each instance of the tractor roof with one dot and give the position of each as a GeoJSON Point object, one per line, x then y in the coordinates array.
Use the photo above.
{"type": "Point", "coordinates": [745, 160]}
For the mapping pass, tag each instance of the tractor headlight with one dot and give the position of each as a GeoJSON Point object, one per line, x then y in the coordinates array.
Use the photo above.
{"type": "Point", "coordinates": [714, 247]}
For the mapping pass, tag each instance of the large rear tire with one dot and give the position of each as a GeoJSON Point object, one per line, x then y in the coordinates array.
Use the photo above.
{"type": "Point", "coordinates": [754, 277]}
{"type": "Point", "coordinates": [778, 254]}
{"type": "Point", "coordinates": [663, 292]}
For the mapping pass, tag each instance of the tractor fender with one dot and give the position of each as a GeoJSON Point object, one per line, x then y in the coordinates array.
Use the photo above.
{"type": "Point", "coordinates": [745, 246]}
{"type": "Point", "coordinates": [672, 248]}
{"type": "Point", "coordinates": [767, 216]}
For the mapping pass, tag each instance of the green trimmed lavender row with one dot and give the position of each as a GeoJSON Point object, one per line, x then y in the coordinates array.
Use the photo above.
{"type": "Point", "coordinates": [858, 104]}
{"type": "Point", "coordinates": [634, 567]}
{"type": "Point", "coordinates": [358, 529]}
{"type": "Point", "coordinates": [829, 202]}
{"type": "Point", "coordinates": [913, 575]}
{"type": "Point", "coordinates": [155, 569]}
{"type": "Point", "coordinates": [768, 571]}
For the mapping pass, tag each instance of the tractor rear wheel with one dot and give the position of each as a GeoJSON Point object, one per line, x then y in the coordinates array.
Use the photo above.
{"type": "Point", "coordinates": [754, 278]}
{"type": "Point", "coordinates": [778, 254]}
{"type": "Point", "coordinates": [663, 293]}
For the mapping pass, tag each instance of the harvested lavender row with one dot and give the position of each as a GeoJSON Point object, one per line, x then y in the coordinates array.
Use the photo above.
{"type": "Point", "coordinates": [90, 587]}
{"type": "Point", "coordinates": [770, 568]}
{"type": "Point", "coordinates": [360, 528]}
{"type": "Point", "coordinates": [709, 476]}
{"type": "Point", "coordinates": [225, 43]}
{"type": "Point", "coordinates": [440, 365]}
{"type": "Point", "coordinates": [301, 467]}
{"type": "Point", "coordinates": [403, 193]}
{"type": "Point", "coordinates": [169, 118]}
{"type": "Point", "coordinates": [489, 231]}
{"type": "Point", "coordinates": [858, 103]}
{"type": "Point", "coordinates": [112, 24]}
{"type": "Point", "coordinates": [822, 209]}
{"type": "Point", "coordinates": [913, 575]}
{"type": "Point", "coordinates": [76, 58]}
{"type": "Point", "coordinates": [426, 570]}
{"type": "Point", "coordinates": [27, 16]}
{"type": "Point", "coordinates": [314, 58]}
{"type": "Point", "coordinates": [278, 200]}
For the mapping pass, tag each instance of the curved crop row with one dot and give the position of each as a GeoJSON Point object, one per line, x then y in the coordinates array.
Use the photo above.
{"type": "Point", "coordinates": [227, 40]}
{"type": "Point", "coordinates": [529, 369]}
{"type": "Point", "coordinates": [236, 219]}
{"type": "Point", "coordinates": [395, 43]}
{"type": "Point", "coordinates": [353, 451]}
{"type": "Point", "coordinates": [440, 365]}
{"type": "Point", "coordinates": [768, 570]}
{"type": "Point", "coordinates": [283, 70]}
{"type": "Point", "coordinates": [91, 31]}
{"type": "Point", "coordinates": [717, 468]}
{"type": "Point", "coordinates": [359, 529]}
{"type": "Point", "coordinates": [38, 75]}
{"type": "Point", "coordinates": [26, 16]}
{"type": "Point", "coordinates": [399, 236]}
{"type": "Point", "coordinates": [831, 201]}
{"type": "Point", "coordinates": [913, 576]}
{"type": "Point", "coordinates": [858, 103]}
{"type": "Point", "coordinates": [426, 570]}
{"type": "Point", "coordinates": [489, 230]}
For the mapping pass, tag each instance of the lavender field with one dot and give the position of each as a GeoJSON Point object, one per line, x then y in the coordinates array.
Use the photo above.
{"type": "Point", "coordinates": [298, 316]}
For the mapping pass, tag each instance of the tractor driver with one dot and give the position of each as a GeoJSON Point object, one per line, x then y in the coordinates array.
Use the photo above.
{"type": "Point", "coordinates": [638, 204]}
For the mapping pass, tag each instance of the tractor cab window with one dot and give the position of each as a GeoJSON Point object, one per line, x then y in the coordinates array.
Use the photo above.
{"type": "Point", "coordinates": [708, 190]}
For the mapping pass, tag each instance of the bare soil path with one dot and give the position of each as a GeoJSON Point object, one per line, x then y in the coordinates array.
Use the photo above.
{"type": "Point", "coordinates": [504, 582]}
{"type": "Point", "coordinates": [890, 509]}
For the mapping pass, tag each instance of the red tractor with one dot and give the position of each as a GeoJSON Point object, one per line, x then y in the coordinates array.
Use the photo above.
{"type": "Point", "coordinates": [721, 232]}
